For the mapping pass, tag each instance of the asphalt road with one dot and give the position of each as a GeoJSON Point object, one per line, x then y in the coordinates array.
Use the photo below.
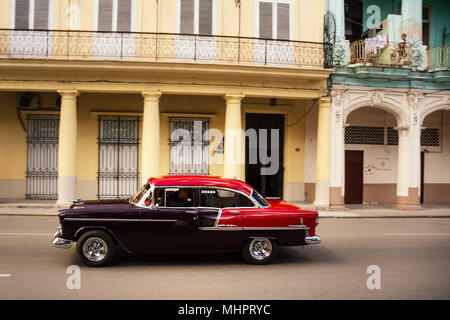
{"type": "Point", "coordinates": [413, 256]}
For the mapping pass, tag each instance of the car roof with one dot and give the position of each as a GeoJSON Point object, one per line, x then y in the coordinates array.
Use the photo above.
{"type": "Point", "coordinates": [210, 181]}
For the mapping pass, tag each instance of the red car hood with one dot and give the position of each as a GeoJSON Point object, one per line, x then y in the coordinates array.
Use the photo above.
{"type": "Point", "coordinates": [283, 205]}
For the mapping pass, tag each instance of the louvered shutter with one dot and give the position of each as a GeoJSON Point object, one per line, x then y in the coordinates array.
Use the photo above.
{"type": "Point", "coordinates": [105, 9]}
{"type": "Point", "coordinates": [283, 21]}
{"type": "Point", "coordinates": [265, 20]}
{"type": "Point", "coordinates": [187, 16]}
{"type": "Point", "coordinates": [40, 14]}
{"type": "Point", "coordinates": [205, 17]}
{"type": "Point", "coordinates": [22, 14]}
{"type": "Point", "coordinates": [124, 15]}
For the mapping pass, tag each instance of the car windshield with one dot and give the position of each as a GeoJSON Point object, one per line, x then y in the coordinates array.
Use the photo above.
{"type": "Point", "coordinates": [142, 191]}
{"type": "Point", "coordinates": [259, 198]}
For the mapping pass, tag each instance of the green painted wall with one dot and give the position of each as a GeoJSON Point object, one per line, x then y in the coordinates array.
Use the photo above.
{"type": "Point", "coordinates": [440, 16]}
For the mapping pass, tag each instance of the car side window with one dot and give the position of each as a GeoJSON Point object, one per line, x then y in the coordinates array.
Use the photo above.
{"type": "Point", "coordinates": [174, 197]}
{"type": "Point", "coordinates": [245, 202]}
{"type": "Point", "coordinates": [218, 198]}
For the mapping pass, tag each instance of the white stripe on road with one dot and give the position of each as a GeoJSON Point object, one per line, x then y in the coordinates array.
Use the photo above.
{"type": "Point", "coordinates": [24, 234]}
{"type": "Point", "coordinates": [5, 275]}
{"type": "Point", "coordinates": [418, 234]}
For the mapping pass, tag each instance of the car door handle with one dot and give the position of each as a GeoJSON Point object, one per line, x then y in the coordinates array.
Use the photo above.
{"type": "Point", "coordinates": [236, 212]}
{"type": "Point", "coordinates": [191, 211]}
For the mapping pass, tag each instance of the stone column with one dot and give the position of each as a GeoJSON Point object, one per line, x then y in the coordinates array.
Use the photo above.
{"type": "Point", "coordinates": [337, 157]}
{"type": "Point", "coordinates": [150, 136]}
{"type": "Point", "coordinates": [415, 104]}
{"type": "Point", "coordinates": [67, 147]}
{"type": "Point", "coordinates": [412, 19]}
{"type": "Point", "coordinates": [402, 167]}
{"type": "Point", "coordinates": [234, 152]}
{"type": "Point", "coordinates": [323, 154]}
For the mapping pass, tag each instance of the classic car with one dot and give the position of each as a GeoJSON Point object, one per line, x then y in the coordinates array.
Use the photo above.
{"type": "Point", "coordinates": [179, 214]}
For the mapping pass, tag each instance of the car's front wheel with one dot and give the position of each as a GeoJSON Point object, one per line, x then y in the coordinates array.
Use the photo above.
{"type": "Point", "coordinates": [259, 250]}
{"type": "Point", "coordinates": [96, 248]}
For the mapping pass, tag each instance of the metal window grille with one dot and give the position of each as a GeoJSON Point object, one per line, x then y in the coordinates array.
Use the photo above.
{"type": "Point", "coordinates": [392, 137]}
{"type": "Point", "coordinates": [364, 135]}
{"type": "Point", "coordinates": [189, 146]}
{"type": "Point", "coordinates": [42, 157]}
{"type": "Point", "coordinates": [118, 157]}
{"type": "Point", "coordinates": [430, 137]}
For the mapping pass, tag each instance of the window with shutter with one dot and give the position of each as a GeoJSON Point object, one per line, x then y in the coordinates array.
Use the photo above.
{"type": "Point", "coordinates": [205, 17]}
{"type": "Point", "coordinates": [283, 21]}
{"type": "Point", "coordinates": [22, 14]}
{"type": "Point", "coordinates": [41, 14]}
{"type": "Point", "coordinates": [124, 15]}
{"type": "Point", "coordinates": [105, 10]}
{"type": "Point", "coordinates": [274, 19]}
{"type": "Point", "coordinates": [265, 20]}
{"type": "Point", "coordinates": [187, 16]}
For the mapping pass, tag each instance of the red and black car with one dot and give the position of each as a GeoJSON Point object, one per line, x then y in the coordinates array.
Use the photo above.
{"type": "Point", "coordinates": [182, 214]}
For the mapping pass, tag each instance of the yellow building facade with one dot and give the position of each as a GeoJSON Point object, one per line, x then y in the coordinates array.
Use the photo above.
{"type": "Point", "coordinates": [98, 96]}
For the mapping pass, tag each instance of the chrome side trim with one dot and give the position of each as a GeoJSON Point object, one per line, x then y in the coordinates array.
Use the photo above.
{"type": "Point", "coordinates": [221, 228]}
{"type": "Point", "coordinates": [120, 220]}
{"type": "Point", "coordinates": [277, 228]}
{"type": "Point", "coordinates": [158, 220]}
{"type": "Point", "coordinates": [230, 228]}
{"type": "Point", "coordinates": [219, 215]}
{"type": "Point", "coordinates": [101, 219]}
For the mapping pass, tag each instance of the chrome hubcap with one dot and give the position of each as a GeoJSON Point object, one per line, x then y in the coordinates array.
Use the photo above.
{"type": "Point", "coordinates": [95, 249]}
{"type": "Point", "coordinates": [260, 248]}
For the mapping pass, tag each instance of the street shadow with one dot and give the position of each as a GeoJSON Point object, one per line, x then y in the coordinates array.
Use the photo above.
{"type": "Point", "coordinates": [286, 255]}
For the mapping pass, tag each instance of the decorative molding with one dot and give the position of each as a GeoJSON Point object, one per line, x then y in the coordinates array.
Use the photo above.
{"type": "Point", "coordinates": [337, 97]}
{"type": "Point", "coordinates": [402, 131]}
{"type": "Point", "coordinates": [415, 102]}
{"type": "Point", "coordinates": [375, 99]}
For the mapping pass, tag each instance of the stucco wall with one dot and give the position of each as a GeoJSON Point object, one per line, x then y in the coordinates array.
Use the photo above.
{"type": "Point", "coordinates": [91, 105]}
{"type": "Point", "coordinates": [160, 16]}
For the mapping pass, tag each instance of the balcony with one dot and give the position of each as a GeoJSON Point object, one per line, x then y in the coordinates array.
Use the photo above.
{"type": "Point", "coordinates": [439, 58]}
{"type": "Point", "coordinates": [163, 47]}
{"type": "Point", "coordinates": [391, 55]}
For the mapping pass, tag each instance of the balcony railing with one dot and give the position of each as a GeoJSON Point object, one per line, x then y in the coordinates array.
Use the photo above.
{"type": "Point", "coordinates": [163, 47]}
{"type": "Point", "coordinates": [392, 54]}
{"type": "Point", "coordinates": [439, 58]}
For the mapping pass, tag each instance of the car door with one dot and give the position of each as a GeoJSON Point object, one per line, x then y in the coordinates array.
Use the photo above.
{"type": "Point", "coordinates": [219, 220]}
{"type": "Point", "coordinates": [172, 225]}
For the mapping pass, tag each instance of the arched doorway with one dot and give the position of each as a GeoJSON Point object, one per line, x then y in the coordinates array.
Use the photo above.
{"type": "Point", "coordinates": [371, 157]}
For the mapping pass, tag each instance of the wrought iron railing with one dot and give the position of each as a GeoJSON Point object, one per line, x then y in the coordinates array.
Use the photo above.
{"type": "Point", "coordinates": [164, 47]}
{"type": "Point", "coordinates": [393, 54]}
{"type": "Point", "coordinates": [439, 58]}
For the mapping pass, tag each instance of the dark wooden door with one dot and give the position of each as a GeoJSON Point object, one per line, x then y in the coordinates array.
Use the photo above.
{"type": "Point", "coordinates": [354, 166]}
{"type": "Point", "coordinates": [270, 186]}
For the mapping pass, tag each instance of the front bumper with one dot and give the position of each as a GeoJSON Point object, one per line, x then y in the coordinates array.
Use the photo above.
{"type": "Point", "coordinates": [312, 240]}
{"type": "Point", "coordinates": [60, 242]}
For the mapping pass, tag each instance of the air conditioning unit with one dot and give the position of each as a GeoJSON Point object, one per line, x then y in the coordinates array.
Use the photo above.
{"type": "Point", "coordinates": [29, 101]}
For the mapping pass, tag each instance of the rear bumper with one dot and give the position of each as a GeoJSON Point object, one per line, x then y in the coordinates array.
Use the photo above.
{"type": "Point", "coordinates": [312, 240]}
{"type": "Point", "coordinates": [60, 242]}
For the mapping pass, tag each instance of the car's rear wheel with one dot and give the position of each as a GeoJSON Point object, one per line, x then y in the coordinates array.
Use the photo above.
{"type": "Point", "coordinates": [259, 250]}
{"type": "Point", "coordinates": [96, 248]}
